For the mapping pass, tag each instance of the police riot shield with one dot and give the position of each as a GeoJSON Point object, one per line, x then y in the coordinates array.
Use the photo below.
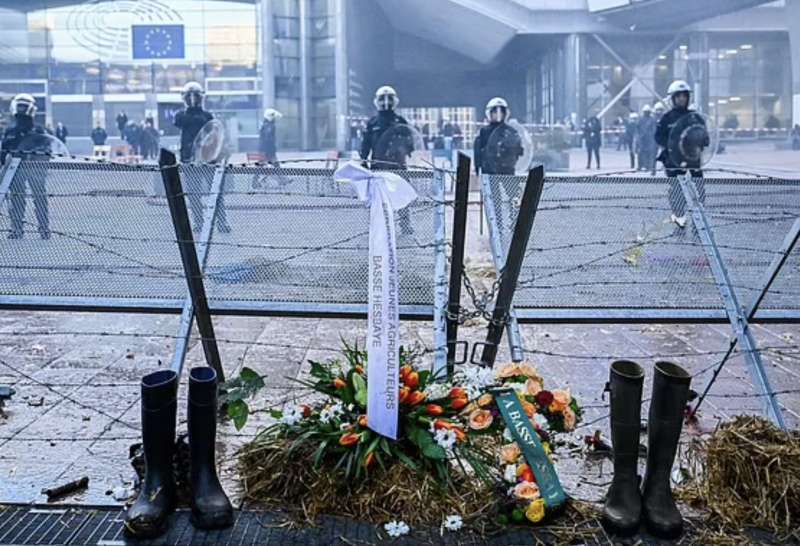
{"type": "Point", "coordinates": [211, 143]}
{"type": "Point", "coordinates": [509, 149]}
{"type": "Point", "coordinates": [43, 144]}
{"type": "Point", "coordinates": [693, 141]}
{"type": "Point", "coordinates": [400, 147]}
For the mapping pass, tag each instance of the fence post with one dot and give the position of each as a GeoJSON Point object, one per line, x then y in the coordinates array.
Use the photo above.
{"type": "Point", "coordinates": [767, 279]}
{"type": "Point", "coordinates": [511, 269]}
{"type": "Point", "coordinates": [207, 232]}
{"type": "Point", "coordinates": [191, 266]}
{"type": "Point", "coordinates": [735, 312]}
{"type": "Point", "coordinates": [457, 258]}
{"type": "Point", "coordinates": [439, 275]}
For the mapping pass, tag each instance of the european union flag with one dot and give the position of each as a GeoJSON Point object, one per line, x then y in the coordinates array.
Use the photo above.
{"type": "Point", "coordinates": [158, 41]}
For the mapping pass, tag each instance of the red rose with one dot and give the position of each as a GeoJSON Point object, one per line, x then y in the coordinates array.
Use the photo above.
{"type": "Point", "coordinates": [544, 399]}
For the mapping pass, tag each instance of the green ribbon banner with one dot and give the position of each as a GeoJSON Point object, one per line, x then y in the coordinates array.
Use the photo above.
{"type": "Point", "coordinates": [528, 440]}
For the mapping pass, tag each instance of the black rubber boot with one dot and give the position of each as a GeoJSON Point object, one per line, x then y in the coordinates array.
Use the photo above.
{"type": "Point", "coordinates": [670, 394]}
{"type": "Point", "coordinates": [211, 509]}
{"type": "Point", "coordinates": [623, 506]}
{"type": "Point", "coordinates": [147, 517]}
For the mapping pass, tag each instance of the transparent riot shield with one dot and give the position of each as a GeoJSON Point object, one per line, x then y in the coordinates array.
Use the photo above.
{"type": "Point", "coordinates": [693, 141]}
{"type": "Point", "coordinates": [211, 143]}
{"type": "Point", "coordinates": [400, 147]}
{"type": "Point", "coordinates": [43, 144]}
{"type": "Point", "coordinates": [509, 150]}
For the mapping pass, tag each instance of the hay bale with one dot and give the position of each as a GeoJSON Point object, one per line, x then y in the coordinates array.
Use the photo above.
{"type": "Point", "coordinates": [747, 474]}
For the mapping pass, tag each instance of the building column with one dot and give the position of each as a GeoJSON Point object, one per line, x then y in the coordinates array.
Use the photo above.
{"type": "Point", "coordinates": [793, 21]}
{"type": "Point", "coordinates": [266, 54]}
{"type": "Point", "coordinates": [574, 74]}
{"type": "Point", "coordinates": [342, 76]}
{"type": "Point", "coordinates": [699, 63]}
{"type": "Point", "coordinates": [305, 75]}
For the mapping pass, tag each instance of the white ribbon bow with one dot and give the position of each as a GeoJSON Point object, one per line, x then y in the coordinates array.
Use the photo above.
{"type": "Point", "coordinates": [385, 193]}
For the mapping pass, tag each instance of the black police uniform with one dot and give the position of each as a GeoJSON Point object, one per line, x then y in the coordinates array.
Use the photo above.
{"type": "Point", "coordinates": [593, 138]}
{"type": "Point", "coordinates": [190, 121]}
{"type": "Point", "coordinates": [497, 148]}
{"type": "Point", "coordinates": [645, 138]}
{"type": "Point", "coordinates": [267, 143]}
{"type": "Point", "coordinates": [28, 141]}
{"type": "Point", "coordinates": [99, 136]}
{"type": "Point", "coordinates": [663, 130]}
{"type": "Point", "coordinates": [388, 154]}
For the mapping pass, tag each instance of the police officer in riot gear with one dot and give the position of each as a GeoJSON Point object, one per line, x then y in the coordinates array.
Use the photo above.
{"type": "Point", "coordinates": [267, 138]}
{"type": "Point", "coordinates": [631, 136]}
{"type": "Point", "coordinates": [658, 113]}
{"type": "Point", "coordinates": [190, 121]}
{"type": "Point", "coordinates": [646, 138]}
{"type": "Point", "coordinates": [388, 141]}
{"type": "Point", "coordinates": [498, 146]}
{"type": "Point", "coordinates": [30, 141]}
{"type": "Point", "coordinates": [680, 97]}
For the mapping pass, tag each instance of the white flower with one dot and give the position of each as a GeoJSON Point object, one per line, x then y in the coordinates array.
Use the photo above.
{"type": "Point", "coordinates": [337, 409]}
{"type": "Point", "coordinates": [510, 474]}
{"type": "Point", "coordinates": [445, 438]}
{"type": "Point", "coordinates": [292, 416]}
{"type": "Point", "coordinates": [397, 528]}
{"type": "Point", "coordinates": [507, 434]}
{"type": "Point", "coordinates": [473, 391]}
{"type": "Point", "coordinates": [325, 416]}
{"type": "Point", "coordinates": [345, 426]}
{"type": "Point", "coordinates": [475, 375]}
{"type": "Point", "coordinates": [541, 421]}
{"type": "Point", "coordinates": [520, 388]}
{"type": "Point", "coordinates": [436, 391]}
{"type": "Point", "coordinates": [453, 523]}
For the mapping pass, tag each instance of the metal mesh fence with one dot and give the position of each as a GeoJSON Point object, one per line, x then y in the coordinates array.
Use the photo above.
{"type": "Point", "coordinates": [610, 243]}
{"type": "Point", "coordinates": [297, 235]}
{"type": "Point", "coordinates": [87, 231]}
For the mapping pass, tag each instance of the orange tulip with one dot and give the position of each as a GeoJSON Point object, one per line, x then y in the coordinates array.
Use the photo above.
{"type": "Point", "coordinates": [349, 439]}
{"type": "Point", "coordinates": [524, 471]}
{"type": "Point", "coordinates": [404, 371]}
{"type": "Point", "coordinates": [444, 424]}
{"type": "Point", "coordinates": [359, 369]}
{"type": "Point", "coordinates": [362, 421]}
{"type": "Point", "coordinates": [434, 409]}
{"type": "Point", "coordinates": [460, 434]}
{"type": "Point", "coordinates": [415, 398]}
{"type": "Point", "coordinates": [404, 394]}
{"type": "Point", "coordinates": [369, 459]}
{"type": "Point", "coordinates": [306, 411]}
{"type": "Point", "coordinates": [458, 392]}
{"type": "Point", "coordinates": [339, 383]}
{"type": "Point", "coordinates": [412, 380]}
{"type": "Point", "coordinates": [458, 403]}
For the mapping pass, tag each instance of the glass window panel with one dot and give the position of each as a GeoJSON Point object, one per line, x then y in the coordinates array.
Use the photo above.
{"type": "Point", "coordinates": [76, 117]}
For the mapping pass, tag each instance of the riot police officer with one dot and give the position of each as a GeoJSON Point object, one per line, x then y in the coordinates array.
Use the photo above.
{"type": "Point", "coordinates": [267, 138]}
{"type": "Point", "coordinates": [680, 97]}
{"type": "Point", "coordinates": [646, 138]}
{"type": "Point", "coordinates": [25, 138]}
{"type": "Point", "coordinates": [631, 137]}
{"type": "Point", "coordinates": [498, 146]}
{"type": "Point", "coordinates": [190, 121]}
{"type": "Point", "coordinates": [593, 138]}
{"type": "Point", "coordinates": [388, 141]}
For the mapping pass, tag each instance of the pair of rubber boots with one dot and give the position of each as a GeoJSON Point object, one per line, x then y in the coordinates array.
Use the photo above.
{"type": "Point", "coordinates": [211, 509]}
{"type": "Point", "coordinates": [626, 504]}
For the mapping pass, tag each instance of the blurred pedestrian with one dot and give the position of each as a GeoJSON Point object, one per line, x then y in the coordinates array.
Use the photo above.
{"type": "Point", "coordinates": [796, 137]}
{"type": "Point", "coordinates": [646, 139]}
{"type": "Point", "coordinates": [133, 136]}
{"type": "Point", "coordinates": [150, 140]}
{"type": "Point", "coordinates": [593, 139]}
{"type": "Point", "coordinates": [268, 137]}
{"type": "Point", "coordinates": [631, 131]}
{"type": "Point", "coordinates": [61, 132]}
{"type": "Point", "coordinates": [99, 136]}
{"type": "Point", "coordinates": [122, 123]}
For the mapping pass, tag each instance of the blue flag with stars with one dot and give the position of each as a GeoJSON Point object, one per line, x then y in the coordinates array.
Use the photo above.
{"type": "Point", "coordinates": [158, 42]}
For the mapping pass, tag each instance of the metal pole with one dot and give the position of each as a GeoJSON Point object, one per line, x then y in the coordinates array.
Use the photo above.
{"type": "Point", "coordinates": [510, 272]}
{"type": "Point", "coordinates": [768, 278]}
{"type": "Point", "coordinates": [8, 172]}
{"type": "Point", "coordinates": [209, 218]}
{"type": "Point", "coordinates": [498, 256]}
{"type": "Point", "coordinates": [457, 259]}
{"type": "Point", "coordinates": [736, 315]}
{"type": "Point", "coordinates": [191, 265]}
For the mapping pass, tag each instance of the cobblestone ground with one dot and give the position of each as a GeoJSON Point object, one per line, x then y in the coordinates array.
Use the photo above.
{"type": "Point", "coordinates": [76, 408]}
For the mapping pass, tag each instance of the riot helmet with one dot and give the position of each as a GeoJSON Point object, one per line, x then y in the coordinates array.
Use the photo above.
{"type": "Point", "coordinates": [646, 110]}
{"type": "Point", "coordinates": [658, 109]}
{"type": "Point", "coordinates": [193, 94]}
{"type": "Point", "coordinates": [497, 110]}
{"type": "Point", "coordinates": [680, 92]}
{"type": "Point", "coordinates": [270, 114]}
{"type": "Point", "coordinates": [23, 104]}
{"type": "Point", "coordinates": [386, 99]}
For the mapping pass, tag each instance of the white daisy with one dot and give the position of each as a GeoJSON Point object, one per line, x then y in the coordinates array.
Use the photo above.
{"type": "Point", "coordinates": [436, 391]}
{"type": "Point", "coordinates": [510, 474]}
{"type": "Point", "coordinates": [541, 421]}
{"type": "Point", "coordinates": [397, 528]}
{"type": "Point", "coordinates": [292, 416]}
{"type": "Point", "coordinates": [520, 388]}
{"type": "Point", "coordinates": [453, 523]}
{"type": "Point", "coordinates": [445, 438]}
{"type": "Point", "coordinates": [337, 409]}
{"type": "Point", "coordinates": [507, 435]}
{"type": "Point", "coordinates": [325, 416]}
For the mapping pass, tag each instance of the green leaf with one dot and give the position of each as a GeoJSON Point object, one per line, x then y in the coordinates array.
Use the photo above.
{"type": "Point", "coordinates": [275, 414]}
{"type": "Point", "coordinates": [361, 389]}
{"type": "Point", "coordinates": [238, 411]}
{"type": "Point", "coordinates": [433, 450]}
{"type": "Point", "coordinates": [319, 453]}
{"type": "Point", "coordinates": [406, 460]}
{"type": "Point", "coordinates": [250, 378]}
{"type": "Point", "coordinates": [424, 376]}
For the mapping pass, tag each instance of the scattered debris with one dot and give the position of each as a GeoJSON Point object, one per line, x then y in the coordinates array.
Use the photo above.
{"type": "Point", "coordinates": [38, 350]}
{"type": "Point", "coordinates": [35, 401]}
{"type": "Point", "coordinates": [5, 394]}
{"type": "Point", "coordinates": [65, 489]}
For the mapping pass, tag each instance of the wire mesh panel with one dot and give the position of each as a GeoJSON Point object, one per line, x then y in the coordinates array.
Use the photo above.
{"type": "Point", "coordinates": [603, 245]}
{"type": "Point", "coordinates": [85, 231]}
{"type": "Point", "coordinates": [295, 235]}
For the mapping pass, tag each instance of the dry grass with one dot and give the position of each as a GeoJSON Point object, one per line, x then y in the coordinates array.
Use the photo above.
{"type": "Point", "coordinates": [747, 474]}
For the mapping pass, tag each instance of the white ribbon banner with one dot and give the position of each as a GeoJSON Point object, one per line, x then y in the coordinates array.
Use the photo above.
{"type": "Point", "coordinates": [384, 193]}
